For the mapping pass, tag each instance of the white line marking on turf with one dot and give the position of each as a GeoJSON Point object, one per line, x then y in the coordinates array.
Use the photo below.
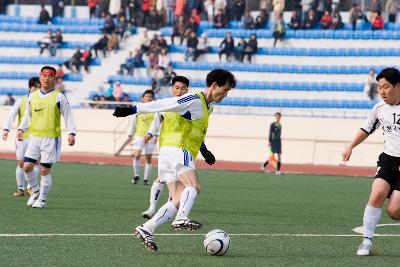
{"type": "Point", "coordinates": [360, 229]}
{"type": "Point", "coordinates": [266, 235]}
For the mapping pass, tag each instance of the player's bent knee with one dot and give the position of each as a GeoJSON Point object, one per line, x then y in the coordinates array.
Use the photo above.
{"type": "Point", "coordinates": [393, 213]}
{"type": "Point", "coordinates": [377, 199]}
{"type": "Point", "coordinates": [198, 188]}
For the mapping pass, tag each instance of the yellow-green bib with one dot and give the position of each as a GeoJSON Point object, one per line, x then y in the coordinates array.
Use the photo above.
{"type": "Point", "coordinates": [182, 133]}
{"type": "Point", "coordinates": [21, 113]}
{"type": "Point", "coordinates": [143, 122]}
{"type": "Point", "coordinates": [45, 115]}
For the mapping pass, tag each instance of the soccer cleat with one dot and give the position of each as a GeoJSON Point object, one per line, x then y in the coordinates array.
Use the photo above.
{"type": "Point", "coordinates": [19, 193]}
{"type": "Point", "coordinates": [365, 248]}
{"type": "Point", "coordinates": [29, 191]}
{"type": "Point", "coordinates": [32, 198]}
{"type": "Point", "coordinates": [148, 214]}
{"type": "Point", "coordinates": [262, 168]}
{"type": "Point", "coordinates": [135, 179]}
{"type": "Point", "coordinates": [146, 237]}
{"type": "Point", "coordinates": [278, 173]}
{"type": "Point", "coordinates": [186, 224]}
{"type": "Point", "coordinates": [146, 182]}
{"type": "Point", "coordinates": [39, 204]}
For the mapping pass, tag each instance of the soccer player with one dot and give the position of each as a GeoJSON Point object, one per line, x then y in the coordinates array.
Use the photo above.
{"type": "Point", "coordinates": [386, 185]}
{"type": "Point", "coordinates": [42, 119]}
{"type": "Point", "coordinates": [20, 146]}
{"type": "Point", "coordinates": [186, 130]}
{"type": "Point", "coordinates": [180, 86]}
{"type": "Point", "coordinates": [275, 142]}
{"type": "Point", "coordinates": [138, 127]}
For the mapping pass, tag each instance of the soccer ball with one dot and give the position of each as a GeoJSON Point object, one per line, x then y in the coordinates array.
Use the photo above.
{"type": "Point", "coordinates": [217, 242]}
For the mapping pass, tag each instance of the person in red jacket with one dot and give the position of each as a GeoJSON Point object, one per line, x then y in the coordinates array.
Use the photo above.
{"type": "Point", "coordinates": [377, 22]}
{"type": "Point", "coordinates": [326, 20]}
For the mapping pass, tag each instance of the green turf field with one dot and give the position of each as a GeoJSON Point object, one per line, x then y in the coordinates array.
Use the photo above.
{"type": "Point", "coordinates": [100, 199]}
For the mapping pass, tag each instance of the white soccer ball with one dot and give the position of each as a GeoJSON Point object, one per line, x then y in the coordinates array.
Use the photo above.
{"type": "Point", "coordinates": [217, 242]}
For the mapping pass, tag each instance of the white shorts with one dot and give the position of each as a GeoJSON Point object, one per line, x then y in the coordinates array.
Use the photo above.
{"type": "Point", "coordinates": [20, 148]}
{"type": "Point", "coordinates": [172, 161]}
{"type": "Point", "coordinates": [47, 149]}
{"type": "Point", "coordinates": [139, 144]}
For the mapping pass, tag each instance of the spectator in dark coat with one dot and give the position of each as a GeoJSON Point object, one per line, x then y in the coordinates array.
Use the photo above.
{"type": "Point", "coordinates": [248, 20]}
{"type": "Point", "coordinates": [191, 47]}
{"type": "Point", "coordinates": [227, 46]}
{"type": "Point", "coordinates": [101, 45]}
{"type": "Point", "coordinates": [75, 61]}
{"type": "Point", "coordinates": [154, 21]}
{"type": "Point", "coordinates": [337, 22]}
{"type": "Point", "coordinates": [219, 20]}
{"type": "Point", "coordinates": [251, 47]}
{"type": "Point", "coordinates": [310, 20]}
{"type": "Point", "coordinates": [44, 17]}
{"type": "Point", "coordinates": [295, 21]}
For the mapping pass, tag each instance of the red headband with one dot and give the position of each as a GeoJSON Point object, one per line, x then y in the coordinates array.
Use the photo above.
{"type": "Point", "coordinates": [48, 72]}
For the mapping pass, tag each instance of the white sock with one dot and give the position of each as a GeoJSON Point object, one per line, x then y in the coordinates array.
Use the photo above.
{"type": "Point", "coordinates": [32, 180]}
{"type": "Point", "coordinates": [45, 185]}
{"type": "Point", "coordinates": [36, 170]}
{"type": "Point", "coordinates": [147, 171]}
{"type": "Point", "coordinates": [20, 177]}
{"type": "Point", "coordinates": [155, 193]}
{"type": "Point", "coordinates": [188, 197]}
{"type": "Point", "coordinates": [136, 167]}
{"type": "Point", "coordinates": [372, 217]}
{"type": "Point", "coordinates": [164, 214]}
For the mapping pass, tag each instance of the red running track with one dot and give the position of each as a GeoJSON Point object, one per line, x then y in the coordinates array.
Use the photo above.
{"type": "Point", "coordinates": [219, 165]}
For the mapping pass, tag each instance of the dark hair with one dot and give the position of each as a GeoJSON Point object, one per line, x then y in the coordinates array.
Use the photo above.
{"type": "Point", "coordinates": [33, 81]}
{"type": "Point", "coordinates": [392, 75]}
{"type": "Point", "coordinates": [48, 68]}
{"type": "Point", "coordinates": [149, 91]}
{"type": "Point", "coordinates": [278, 113]}
{"type": "Point", "coordinates": [181, 79]}
{"type": "Point", "coordinates": [221, 77]}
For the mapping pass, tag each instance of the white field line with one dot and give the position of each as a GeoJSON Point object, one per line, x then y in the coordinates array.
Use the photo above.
{"type": "Point", "coordinates": [263, 235]}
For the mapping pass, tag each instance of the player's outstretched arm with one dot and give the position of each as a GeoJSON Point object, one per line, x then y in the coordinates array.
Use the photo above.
{"type": "Point", "coordinates": [207, 155]}
{"type": "Point", "coordinates": [124, 111]}
{"type": "Point", "coordinates": [360, 136]}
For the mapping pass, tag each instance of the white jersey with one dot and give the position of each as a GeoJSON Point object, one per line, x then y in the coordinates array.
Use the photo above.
{"type": "Point", "coordinates": [11, 116]}
{"type": "Point", "coordinates": [132, 125]}
{"type": "Point", "coordinates": [65, 110]}
{"type": "Point", "coordinates": [386, 117]}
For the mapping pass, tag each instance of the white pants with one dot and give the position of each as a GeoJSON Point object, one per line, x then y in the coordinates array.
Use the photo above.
{"type": "Point", "coordinates": [172, 161]}
{"type": "Point", "coordinates": [146, 148]}
{"type": "Point", "coordinates": [20, 148]}
{"type": "Point", "coordinates": [47, 149]}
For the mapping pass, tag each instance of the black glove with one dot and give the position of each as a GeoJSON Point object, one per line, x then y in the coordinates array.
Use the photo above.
{"type": "Point", "coordinates": [123, 111]}
{"type": "Point", "coordinates": [207, 155]}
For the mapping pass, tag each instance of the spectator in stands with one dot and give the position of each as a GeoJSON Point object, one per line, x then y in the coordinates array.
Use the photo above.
{"type": "Point", "coordinates": [374, 6]}
{"type": "Point", "coordinates": [60, 85]}
{"type": "Point", "coordinates": [169, 7]}
{"type": "Point", "coordinates": [114, 7]}
{"type": "Point", "coordinates": [261, 20]}
{"type": "Point", "coordinates": [57, 8]}
{"type": "Point", "coordinates": [74, 64]}
{"type": "Point", "coordinates": [229, 10]}
{"type": "Point", "coordinates": [153, 61]}
{"type": "Point", "coordinates": [101, 45]}
{"type": "Point", "coordinates": [295, 21]}
{"type": "Point", "coordinates": [279, 30]}
{"type": "Point", "coordinates": [377, 22]}
{"type": "Point", "coordinates": [162, 43]}
{"type": "Point", "coordinates": [56, 42]}
{"type": "Point", "coordinates": [154, 20]}
{"type": "Point", "coordinates": [220, 5]}
{"type": "Point", "coordinates": [103, 105]}
{"type": "Point", "coordinates": [306, 6]}
{"type": "Point", "coordinates": [145, 11]}
{"type": "Point", "coordinates": [121, 26]}
{"type": "Point", "coordinates": [128, 65]}
{"type": "Point", "coordinates": [392, 7]}
{"type": "Point", "coordinates": [265, 5]}
{"type": "Point", "coordinates": [109, 26]}
{"type": "Point", "coordinates": [240, 6]}
{"type": "Point", "coordinates": [326, 20]}
{"type": "Point", "coordinates": [110, 90]}
{"type": "Point", "coordinates": [163, 59]}
{"type": "Point", "coordinates": [209, 9]}
{"type": "Point", "coordinates": [92, 4]}
{"type": "Point", "coordinates": [59, 72]}
{"type": "Point", "coordinates": [157, 78]}
{"type": "Point", "coordinates": [44, 17]}
{"type": "Point", "coordinates": [134, 11]}
{"type": "Point", "coordinates": [336, 21]}
{"type": "Point", "coordinates": [191, 46]}
{"type": "Point", "coordinates": [10, 100]}
{"type": "Point", "coordinates": [355, 14]}
{"type": "Point", "coordinates": [169, 74]}
{"type": "Point", "coordinates": [86, 58]}
{"type": "Point", "coordinates": [279, 6]}
{"type": "Point", "coordinates": [179, 30]}
{"type": "Point", "coordinates": [310, 20]}
{"type": "Point", "coordinates": [95, 99]}
{"type": "Point", "coordinates": [46, 40]}
{"type": "Point", "coordinates": [154, 44]}
{"type": "Point", "coordinates": [203, 46]}
{"type": "Point", "coordinates": [251, 47]}
{"type": "Point", "coordinates": [239, 50]}
{"type": "Point", "coordinates": [145, 41]}
{"type": "Point", "coordinates": [248, 21]}
{"type": "Point", "coordinates": [227, 46]}
{"type": "Point", "coordinates": [118, 93]}
{"type": "Point", "coordinates": [113, 42]}
{"type": "Point", "coordinates": [371, 86]}
{"type": "Point", "coordinates": [219, 20]}
{"type": "Point", "coordinates": [193, 22]}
